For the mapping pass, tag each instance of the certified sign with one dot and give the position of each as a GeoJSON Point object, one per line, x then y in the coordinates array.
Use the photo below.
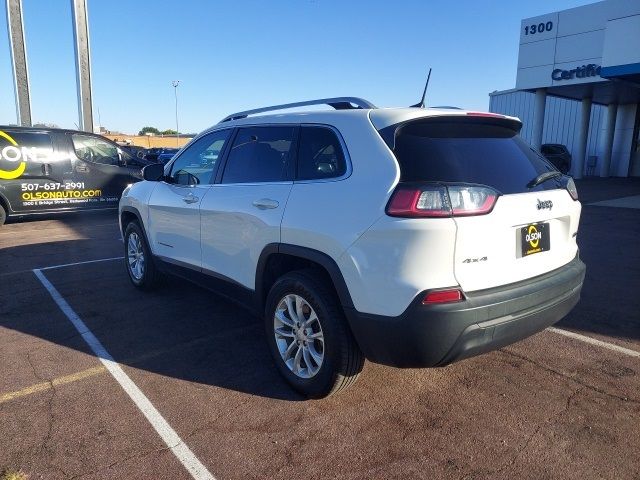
{"type": "Point", "coordinates": [591, 70]}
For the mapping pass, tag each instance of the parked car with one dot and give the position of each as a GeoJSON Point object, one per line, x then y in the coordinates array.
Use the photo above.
{"type": "Point", "coordinates": [45, 170]}
{"type": "Point", "coordinates": [152, 154]}
{"type": "Point", "coordinates": [166, 155]}
{"type": "Point", "coordinates": [411, 237]}
{"type": "Point", "coordinates": [558, 155]}
{"type": "Point", "coordinates": [135, 150]}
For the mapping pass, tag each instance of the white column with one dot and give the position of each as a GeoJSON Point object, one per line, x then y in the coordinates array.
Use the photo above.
{"type": "Point", "coordinates": [538, 117]}
{"type": "Point", "coordinates": [605, 165]}
{"type": "Point", "coordinates": [583, 135]}
{"type": "Point", "coordinates": [19, 62]}
{"type": "Point", "coordinates": [83, 63]}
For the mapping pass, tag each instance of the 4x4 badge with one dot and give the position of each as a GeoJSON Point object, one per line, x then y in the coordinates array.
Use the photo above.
{"type": "Point", "coordinates": [475, 260]}
{"type": "Point", "coordinates": [545, 204]}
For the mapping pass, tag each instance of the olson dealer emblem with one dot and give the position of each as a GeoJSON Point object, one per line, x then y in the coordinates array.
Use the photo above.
{"type": "Point", "coordinates": [534, 238]}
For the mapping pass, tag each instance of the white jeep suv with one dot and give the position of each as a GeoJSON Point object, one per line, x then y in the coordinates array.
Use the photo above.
{"type": "Point", "coordinates": [411, 237]}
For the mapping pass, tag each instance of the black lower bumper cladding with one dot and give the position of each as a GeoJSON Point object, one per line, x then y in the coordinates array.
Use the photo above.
{"type": "Point", "coordinates": [436, 335]}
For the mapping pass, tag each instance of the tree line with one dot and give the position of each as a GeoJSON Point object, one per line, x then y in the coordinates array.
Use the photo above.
{"type": "Point", "coordinates": [155, 131]}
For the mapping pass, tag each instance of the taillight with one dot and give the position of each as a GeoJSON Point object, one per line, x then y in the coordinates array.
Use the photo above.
{"type": "Point", "coordinates": [571, 188]}
{"type": "Point", "coordinates": [412, 201]}
{"type": "Point", "coordinates": [441, 201]}
{"type": "Point", "coordinates": [443, 296]}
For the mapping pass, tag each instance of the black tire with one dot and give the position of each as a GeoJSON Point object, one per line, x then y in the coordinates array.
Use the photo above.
{"type": "Point", "coordinates": [3, 214]}
{"type": "Point", "coordinates": [149, 277]}
{"type": "Point", "coordinates": [343, 360]}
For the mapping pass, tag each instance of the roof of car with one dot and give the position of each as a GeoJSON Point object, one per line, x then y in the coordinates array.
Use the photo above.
{"type": "Point", "coordinates": [380, 117]}
{"type": "Point", "coordinates": [46, 129]}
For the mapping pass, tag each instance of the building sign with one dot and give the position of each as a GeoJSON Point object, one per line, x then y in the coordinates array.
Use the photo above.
{"type": "Point", "coordinates": [591, 70]}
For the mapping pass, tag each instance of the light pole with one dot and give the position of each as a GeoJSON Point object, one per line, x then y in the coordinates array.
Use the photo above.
{"type": "Point", "coordinates": [175, 84]}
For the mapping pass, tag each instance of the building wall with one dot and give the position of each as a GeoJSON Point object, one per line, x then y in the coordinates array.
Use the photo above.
{"type": "Point", "coordinates": [599, 34]}
{"type": "Point", "coordinates": [622, 140]}
{"type": "Point", "coordinates": [149, 141]}
{"type": "Point", "coordinates": [561, 121]}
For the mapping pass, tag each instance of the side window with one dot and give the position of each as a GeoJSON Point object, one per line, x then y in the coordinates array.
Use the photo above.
{"type": "Point", "coordinates": [94, 149]}
{"type": "Point", "coordinates": [260, 154]}
{"type": "Point", "coordinates": [19, 147]}
{"type": "Point", "coordinates": [197, 164]}
{"type": "Point", "coordinates": [320, 154]}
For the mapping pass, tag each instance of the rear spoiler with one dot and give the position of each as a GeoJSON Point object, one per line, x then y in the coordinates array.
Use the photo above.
{"type": "Point", "coordinates": [390, 133]}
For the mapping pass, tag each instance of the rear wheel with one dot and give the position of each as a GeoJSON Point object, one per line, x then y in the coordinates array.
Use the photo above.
{"type": "Point", "coordinates": [308, 337]}
{"type": "Point", "coordinates": [138, 259]}
{"type": "Point", "coordinates": [3, 214]}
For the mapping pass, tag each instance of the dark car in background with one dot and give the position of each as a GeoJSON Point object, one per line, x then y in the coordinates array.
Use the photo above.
{"type": "Point", "coordinates": [135, 150]}
{"type": "Point", "coordinates": [558, 155]}
{"type": "Point", "coordinates": [166, 155]}
{"type": "Point", "coordinates": [44, 170]}
{"type": "Point", "coordinates": [152, 154]}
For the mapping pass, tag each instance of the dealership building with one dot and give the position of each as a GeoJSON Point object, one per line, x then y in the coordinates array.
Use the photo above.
{"type": "Point", "coordinates": [578, 84]}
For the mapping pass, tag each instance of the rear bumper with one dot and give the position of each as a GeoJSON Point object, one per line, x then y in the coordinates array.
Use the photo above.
{"type": "Point", "coordinates": [436, 335]}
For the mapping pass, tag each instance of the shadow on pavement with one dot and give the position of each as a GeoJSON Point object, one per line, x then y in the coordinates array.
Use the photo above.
{"type": "Point", "coordinates": [180, 330]}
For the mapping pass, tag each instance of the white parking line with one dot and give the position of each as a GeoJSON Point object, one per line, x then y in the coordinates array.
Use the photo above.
{"type": "Point", "coordinates": [78, 263]}
{"type": "Point", "coordinates": [168, 434]}
{"type": "Point", "coordinates": [598, 343]}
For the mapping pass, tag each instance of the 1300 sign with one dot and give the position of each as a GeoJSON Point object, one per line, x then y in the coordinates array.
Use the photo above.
{"type": "Point", "coordinates": [539, 28]}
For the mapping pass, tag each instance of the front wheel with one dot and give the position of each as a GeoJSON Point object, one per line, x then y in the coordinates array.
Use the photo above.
{"type": "Point", "coordinates": [3, 215]}
{"type": "Point", "coordinates": [308, 337]}
{"type": "Point", "coordinates": [138, 259]}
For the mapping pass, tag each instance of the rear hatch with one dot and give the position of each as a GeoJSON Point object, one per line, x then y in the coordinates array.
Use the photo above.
{"type": "Point", "coordinates": [517, 229]}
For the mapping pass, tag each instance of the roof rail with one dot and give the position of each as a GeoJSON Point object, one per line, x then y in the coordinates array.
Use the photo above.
{"type": "Point", "coordinates": [339, 103]}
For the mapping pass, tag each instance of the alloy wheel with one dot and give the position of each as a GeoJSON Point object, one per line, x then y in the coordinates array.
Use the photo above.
{"type": "Point", "coordinates": [135, 256]}
{"type": "Point", "coordinates": [299, 336]}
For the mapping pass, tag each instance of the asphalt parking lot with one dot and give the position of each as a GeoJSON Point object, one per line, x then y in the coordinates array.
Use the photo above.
{"type": "Point", "coordinates": [556, 405]}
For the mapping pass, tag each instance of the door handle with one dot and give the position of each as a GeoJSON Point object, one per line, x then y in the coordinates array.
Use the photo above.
{"type": "Point", "coordinates": [265, 203]}
{"type": "Point", "coordinates": [191, 198]}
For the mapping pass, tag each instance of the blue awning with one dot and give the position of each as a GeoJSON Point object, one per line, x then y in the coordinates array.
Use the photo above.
{"type": "Point", "coordinates": [629, 72]}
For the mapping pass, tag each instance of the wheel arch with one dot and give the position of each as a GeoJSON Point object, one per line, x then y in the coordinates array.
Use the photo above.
{"type": "Point", "coordinates": [130, 214]}
{"type": "Point", "coordinates": [277, 259]}
{"type": "Point", "coordinates": [4, 202]}
{"type": "Point", "coordinates": [4, 206]}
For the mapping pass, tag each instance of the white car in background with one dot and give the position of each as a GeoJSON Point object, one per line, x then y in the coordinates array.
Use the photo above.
{"type": "Point", "coordinates": [411, 237]}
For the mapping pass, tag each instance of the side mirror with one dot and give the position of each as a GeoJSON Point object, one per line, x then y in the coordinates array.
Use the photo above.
{"type": "Point", "coordinates": [121, 160]}
{"type": "Point", "coordinates": [153, 172]}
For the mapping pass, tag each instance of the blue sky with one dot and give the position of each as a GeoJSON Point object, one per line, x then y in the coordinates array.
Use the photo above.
{"type": "Point", "coordinates": [235, 55]}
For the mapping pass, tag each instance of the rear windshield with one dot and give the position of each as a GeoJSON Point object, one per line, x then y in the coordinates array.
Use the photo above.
{"type": "Point", "coordinates": [469, 152]}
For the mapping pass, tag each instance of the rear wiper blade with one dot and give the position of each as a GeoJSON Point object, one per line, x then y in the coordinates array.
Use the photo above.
{"type": "Point", "coordinates": [543, 177]}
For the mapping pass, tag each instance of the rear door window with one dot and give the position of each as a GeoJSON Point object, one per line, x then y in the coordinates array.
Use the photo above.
{"type": "Point", "coordinates": [260, 154]}
{"type": "Point", "coordinates": [320, 154]}
{"type": "Point", "coordinates": [469, 152]}
{"type": "Point", "coordinates": [19, 149]}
